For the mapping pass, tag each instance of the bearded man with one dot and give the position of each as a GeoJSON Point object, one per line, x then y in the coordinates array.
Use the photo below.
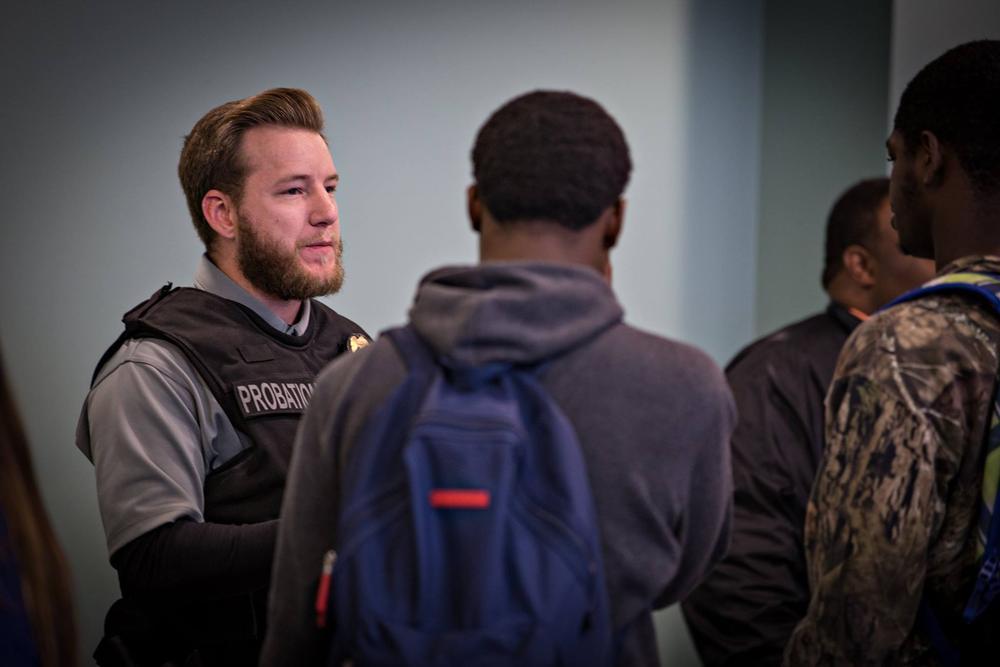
{"type": "Point", "coordinates": [192, 412]}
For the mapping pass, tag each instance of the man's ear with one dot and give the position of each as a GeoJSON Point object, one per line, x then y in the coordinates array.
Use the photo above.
{"type": "Point", "coordinates": [860, 265]}
{"type": "Point", "coordinates": [219, 210]}
{"type": "Point", "coordinates": [930, 159]}
{"type": "Point", "coordinates": [475, 208]}
{"type": "Point", "coordinates": [613, 226]}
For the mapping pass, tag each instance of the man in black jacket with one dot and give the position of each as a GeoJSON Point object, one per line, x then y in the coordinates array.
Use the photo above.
{"type": "Point", "coordinates": [745, 611]}
{"type": "Point", "coordinates": [192, 413]}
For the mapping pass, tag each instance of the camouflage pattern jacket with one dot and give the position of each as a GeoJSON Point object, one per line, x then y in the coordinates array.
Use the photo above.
{"type": "Point", "coordinates": [892, 514]}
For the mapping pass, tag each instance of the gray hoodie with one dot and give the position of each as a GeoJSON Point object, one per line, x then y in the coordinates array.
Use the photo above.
{"type": "Point", "coordinates": [653, 418]}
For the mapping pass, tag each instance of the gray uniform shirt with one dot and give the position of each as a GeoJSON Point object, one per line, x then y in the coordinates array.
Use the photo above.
{"type": "Point", "coordinates": [153, 429]}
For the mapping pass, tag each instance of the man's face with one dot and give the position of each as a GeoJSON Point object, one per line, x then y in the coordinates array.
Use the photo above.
{"type": "Point", "coordinates": [895, 272]}
{"type": "Point", "coordinates": [910, 214]}
{"type": "Point", "coordinates": [288, 228]}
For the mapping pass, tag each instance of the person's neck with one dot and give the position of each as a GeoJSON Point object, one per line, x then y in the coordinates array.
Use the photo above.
{"type": "Point", "coordinates": [286, 309]}
{"type": "Point", "coordinates": [851, 296]}
{"type": "Point", "coordinates": [539, 241]}
{"type": "Point", "coordinates": [964, 241]}
{"type": "Point", "coordinates": [964, 223]}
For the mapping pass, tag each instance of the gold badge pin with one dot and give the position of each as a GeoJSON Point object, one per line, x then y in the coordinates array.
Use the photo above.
{"type": "Point", "coordinates": [356, 342]}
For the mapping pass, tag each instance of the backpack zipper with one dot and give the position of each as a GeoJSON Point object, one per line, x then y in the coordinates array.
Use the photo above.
{"type": "Point", "coordinates": [323, 592]}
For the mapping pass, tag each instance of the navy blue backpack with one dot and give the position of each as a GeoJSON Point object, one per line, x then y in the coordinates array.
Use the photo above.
{"type": "Point", "coordinates": [467, 533]}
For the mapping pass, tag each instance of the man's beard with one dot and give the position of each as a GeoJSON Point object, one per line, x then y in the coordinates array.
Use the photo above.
{"type": "Point", "coordinates": [275, 271]}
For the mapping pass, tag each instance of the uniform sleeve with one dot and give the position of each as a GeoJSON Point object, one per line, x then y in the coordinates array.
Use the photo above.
{"type": "Point", "coordinates": [897, 421]}
{"type": "Point", "coordinates": [184, 560]}
{"type": "Point", "coordinates": [746, 609]}
{"type": "Point", "coordinates": [144, 440]}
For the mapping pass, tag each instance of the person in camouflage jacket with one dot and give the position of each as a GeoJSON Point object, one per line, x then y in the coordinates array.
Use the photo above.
{"type": "Point", "coordinates": [891, 525]}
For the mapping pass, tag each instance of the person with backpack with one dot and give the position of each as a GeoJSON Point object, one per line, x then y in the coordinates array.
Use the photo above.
{"type": "Point", "coordinates": [900, 542]}
{"type": "Point", "coordinates": [516, 477]}
{"type": "Point", "coordinates": [744, 612]}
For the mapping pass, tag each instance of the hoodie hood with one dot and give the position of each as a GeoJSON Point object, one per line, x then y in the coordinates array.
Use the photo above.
{"type": "Point", "coordinates": [517, 312]}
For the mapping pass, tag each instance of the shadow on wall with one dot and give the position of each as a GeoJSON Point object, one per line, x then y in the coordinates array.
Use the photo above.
{"type": "Point", "coordinates": [720, 184]}
{"type": "Point", "coordinates": [719, 192]}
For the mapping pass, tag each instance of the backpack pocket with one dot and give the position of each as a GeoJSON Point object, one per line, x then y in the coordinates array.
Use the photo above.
{"type": "Point", "coordinates": [500, 583]}
{"type": "Point", "coordinates": [517, 640]}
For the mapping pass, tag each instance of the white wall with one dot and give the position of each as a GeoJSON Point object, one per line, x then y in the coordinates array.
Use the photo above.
{"type": "Point", "coordinates": [99, 97]}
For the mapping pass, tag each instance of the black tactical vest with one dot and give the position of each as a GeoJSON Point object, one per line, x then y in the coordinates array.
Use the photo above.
{"type": "Point", "coordinates": [262, 379]}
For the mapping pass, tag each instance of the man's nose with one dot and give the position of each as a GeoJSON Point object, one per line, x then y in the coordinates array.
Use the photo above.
{"type": "Point", "coordinates": [325, 210]}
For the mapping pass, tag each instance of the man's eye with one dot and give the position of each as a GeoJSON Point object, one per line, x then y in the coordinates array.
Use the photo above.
{"type": "Point", "coordinates": [890, 158]}
{"type": "Point", "coordinates": [331, 189]}
{"type": "Point", "coordinates": [294, 191]}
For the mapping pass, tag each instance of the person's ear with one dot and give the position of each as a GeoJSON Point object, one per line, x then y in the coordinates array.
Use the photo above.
{"type": "Point", "coordinates": [613, 226]}
{"type": "Point", "coordinates": [475, 208]}
{"type": "Point", "coordinates": [930, 159]}
{"type": "Point", "coordinates": [860, 265]}
{"type": "Point", "coordinates": [219, 210]}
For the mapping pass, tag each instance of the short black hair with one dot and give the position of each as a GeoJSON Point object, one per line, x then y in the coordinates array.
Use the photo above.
{"type": "Point", "coordinates": [553, 156]}
{"type": "Point", "coordinates": [852, 221]}
{"type": "Point", "coordinates": [957, 98]}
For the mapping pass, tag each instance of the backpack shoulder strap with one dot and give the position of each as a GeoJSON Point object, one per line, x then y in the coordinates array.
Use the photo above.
{"type": "Point", "coordinates": [421, 360]}
{"type": "Point", "coordinates": [984, 285]}
{"type": "Point", "coordinates": [987, 287]}
{"type": "Point", "coordinates": [415, 353]}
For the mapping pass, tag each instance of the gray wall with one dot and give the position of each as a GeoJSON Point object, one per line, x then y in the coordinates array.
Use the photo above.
{"type": "Point", "coordinates": [93, 219]}
{"type": "Point", "coordinates": [831, 82]}
{"type": "Point", "coordinates": [825, 85]}
{"type": "Point", "coordinates": [924, 29]}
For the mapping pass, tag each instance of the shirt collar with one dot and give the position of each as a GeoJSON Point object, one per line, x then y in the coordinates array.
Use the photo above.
{"type": "Point", "coordinates": [210, 278]}
{"type": "Point", "coordinates": [845, 316]}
